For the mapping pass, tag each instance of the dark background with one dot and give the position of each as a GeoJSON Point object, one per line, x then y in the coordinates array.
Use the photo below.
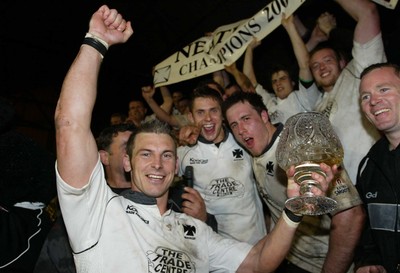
{"type": "Point", "coordinates": [39, 40]}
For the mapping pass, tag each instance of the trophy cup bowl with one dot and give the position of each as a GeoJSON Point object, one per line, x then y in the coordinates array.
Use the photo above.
{"type": "Point", "coordinates": [307, 140]}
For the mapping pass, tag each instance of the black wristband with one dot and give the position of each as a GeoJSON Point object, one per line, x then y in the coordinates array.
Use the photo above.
{"type": "Point", "coordinates": [293, 217]}
{"type": "Point", "coordinates": [96, 44]}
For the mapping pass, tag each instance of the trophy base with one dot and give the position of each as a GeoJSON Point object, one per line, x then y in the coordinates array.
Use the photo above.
{"type": "Point", "coordinates": [311, 205]}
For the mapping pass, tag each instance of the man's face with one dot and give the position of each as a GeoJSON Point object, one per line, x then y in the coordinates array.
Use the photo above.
{"type": "Point", "coordinates": [137, 111]}
{"type": "Point", "coordinates": [325, 68]}
{"type": "Point", "coordinates": [153, 164]}
{"type": "Point", "coordinates": [116, 120]}
{"type": "Point", "coordinates": [380, 99]}
{"type": "Point", "coordinates": [116, 153]}
{"type": "Point", "coordinates": [282, 84]}
{"type": "Point", "coordinates": [249, 127]}
{"type": "Point", "coordinates": [207, 115]}
{"type": "Point", "coordinates": [183, 106]}
{"type": "Point", "coordinates": [176, 96]}
{"type": "Point", "coordinates": [230, 90]}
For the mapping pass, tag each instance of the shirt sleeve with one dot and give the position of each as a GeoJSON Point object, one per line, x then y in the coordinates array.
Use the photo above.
{"type": "Point", "coordinates": [223, 249]}
{"type": "Point", "coordinates": [83, 209]}
{"type": "Point", "coordinates": [366, 54]}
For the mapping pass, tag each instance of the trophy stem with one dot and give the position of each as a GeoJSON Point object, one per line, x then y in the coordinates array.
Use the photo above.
{"type": "Point", "coordinates": [307, 203]}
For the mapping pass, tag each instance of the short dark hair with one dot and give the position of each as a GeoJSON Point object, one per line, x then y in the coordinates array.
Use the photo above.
{"type": "Point", "coordinates": [204, 91]}
{"type": "Point", "coordinates": [327, 45]}
{"type": "Point", "coordinates": [153, 126]}
{"type": "Point", "coordinates": [106, 136]}
{"type": "Point", "coordinates": [372, 67]}
{"type": "Point", "coordinates": [254, 99]}
{"type": "Point", "coordinates": [280, 67]}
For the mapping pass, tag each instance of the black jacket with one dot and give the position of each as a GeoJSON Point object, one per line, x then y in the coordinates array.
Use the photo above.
{"type": "Point", "coordinates": [379, 186]}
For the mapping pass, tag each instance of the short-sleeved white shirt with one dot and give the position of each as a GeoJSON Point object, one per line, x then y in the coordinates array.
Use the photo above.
{"type": "Point", "coordinates": [224, 177]}
{"type": "Point", "coordinates": [110, 233]}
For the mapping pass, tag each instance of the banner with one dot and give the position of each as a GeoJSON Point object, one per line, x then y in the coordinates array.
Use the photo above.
{"type": "Point", "coordinates": [390, 4]}
{"type": "Point", "coordinates": [226, 44]}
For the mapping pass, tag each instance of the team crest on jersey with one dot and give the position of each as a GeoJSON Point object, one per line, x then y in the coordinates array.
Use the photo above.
{"type": "Point", "coordinates": [132, 210]}
{"type": "Point", "coordinates": [237, 154]}
{"type": "Point", "coordinates": [270, 168]}
{"type": "Point", "coordinates": [167, 260]}
{"type": "Point", "coordinates": [224, 187]}
{"type": "Point", "coordinates": [189, 231]}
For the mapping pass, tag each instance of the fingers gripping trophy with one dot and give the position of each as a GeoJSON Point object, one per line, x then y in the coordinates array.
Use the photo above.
{"type": "Point", "coordinates": [307, 140]}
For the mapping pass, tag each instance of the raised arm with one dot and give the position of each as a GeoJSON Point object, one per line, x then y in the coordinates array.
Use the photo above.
{"type": "Point", "coordinates": [248, 67]}
{"type": "Point", "coordinates": [366, 14]}
{"type": "Point", "coordinates": [76, 146]}
{"type": "Point", "coordinates": [326, 22]}
{"type": "Point", "coordinates": [161, 114]}
{"type": "Point", "coordinates": [167, 99]}
{"type": "Point", "coordinates": [299, 48]}
{"type": "Point", "coordinates": [241, 79]}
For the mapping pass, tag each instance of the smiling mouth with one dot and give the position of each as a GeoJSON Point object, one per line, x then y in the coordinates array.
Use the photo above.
{"type": "Point", "coordinates": [377, 113]}
{"type": "Point", "coordinates": [208, 127]}
{"type": "Point", "coordinates": [323, 75]}
{"type": "Point", "coordinates": [155, 177]}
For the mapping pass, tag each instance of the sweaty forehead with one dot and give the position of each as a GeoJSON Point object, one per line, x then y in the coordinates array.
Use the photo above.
{"type": "Point", "coordinates": [159, 141]}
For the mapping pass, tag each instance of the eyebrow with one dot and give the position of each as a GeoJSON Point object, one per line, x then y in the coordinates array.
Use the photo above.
{"type": "Point", "coordinates": [151, 150]}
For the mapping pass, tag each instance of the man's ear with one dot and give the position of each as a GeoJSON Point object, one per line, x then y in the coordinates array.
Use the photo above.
{"type": "Point", "coordinates": [127, 163]}
{"type": "Point", "coordinates": [190, 117]}
{"type": "Point", "coordinates": [264, 116]}
{"type": "Point", "coordinates": [104, 157]}
{"type": "Point", "coordinates": [177, 166]}
{"type": "Point", "coordinates": [342, 63]}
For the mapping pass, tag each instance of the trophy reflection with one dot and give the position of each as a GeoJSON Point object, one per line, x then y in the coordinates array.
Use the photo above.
{"type": "Point", "coordinates": [307, 140]}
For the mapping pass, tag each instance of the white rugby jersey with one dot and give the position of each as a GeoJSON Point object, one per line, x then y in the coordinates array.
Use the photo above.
{"type": "Point", "coordinates": [311, 241]}
{"type": "Point", "coordinates": [110, 233]}
{"type": "Point", "coordinates": [224, 177]}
